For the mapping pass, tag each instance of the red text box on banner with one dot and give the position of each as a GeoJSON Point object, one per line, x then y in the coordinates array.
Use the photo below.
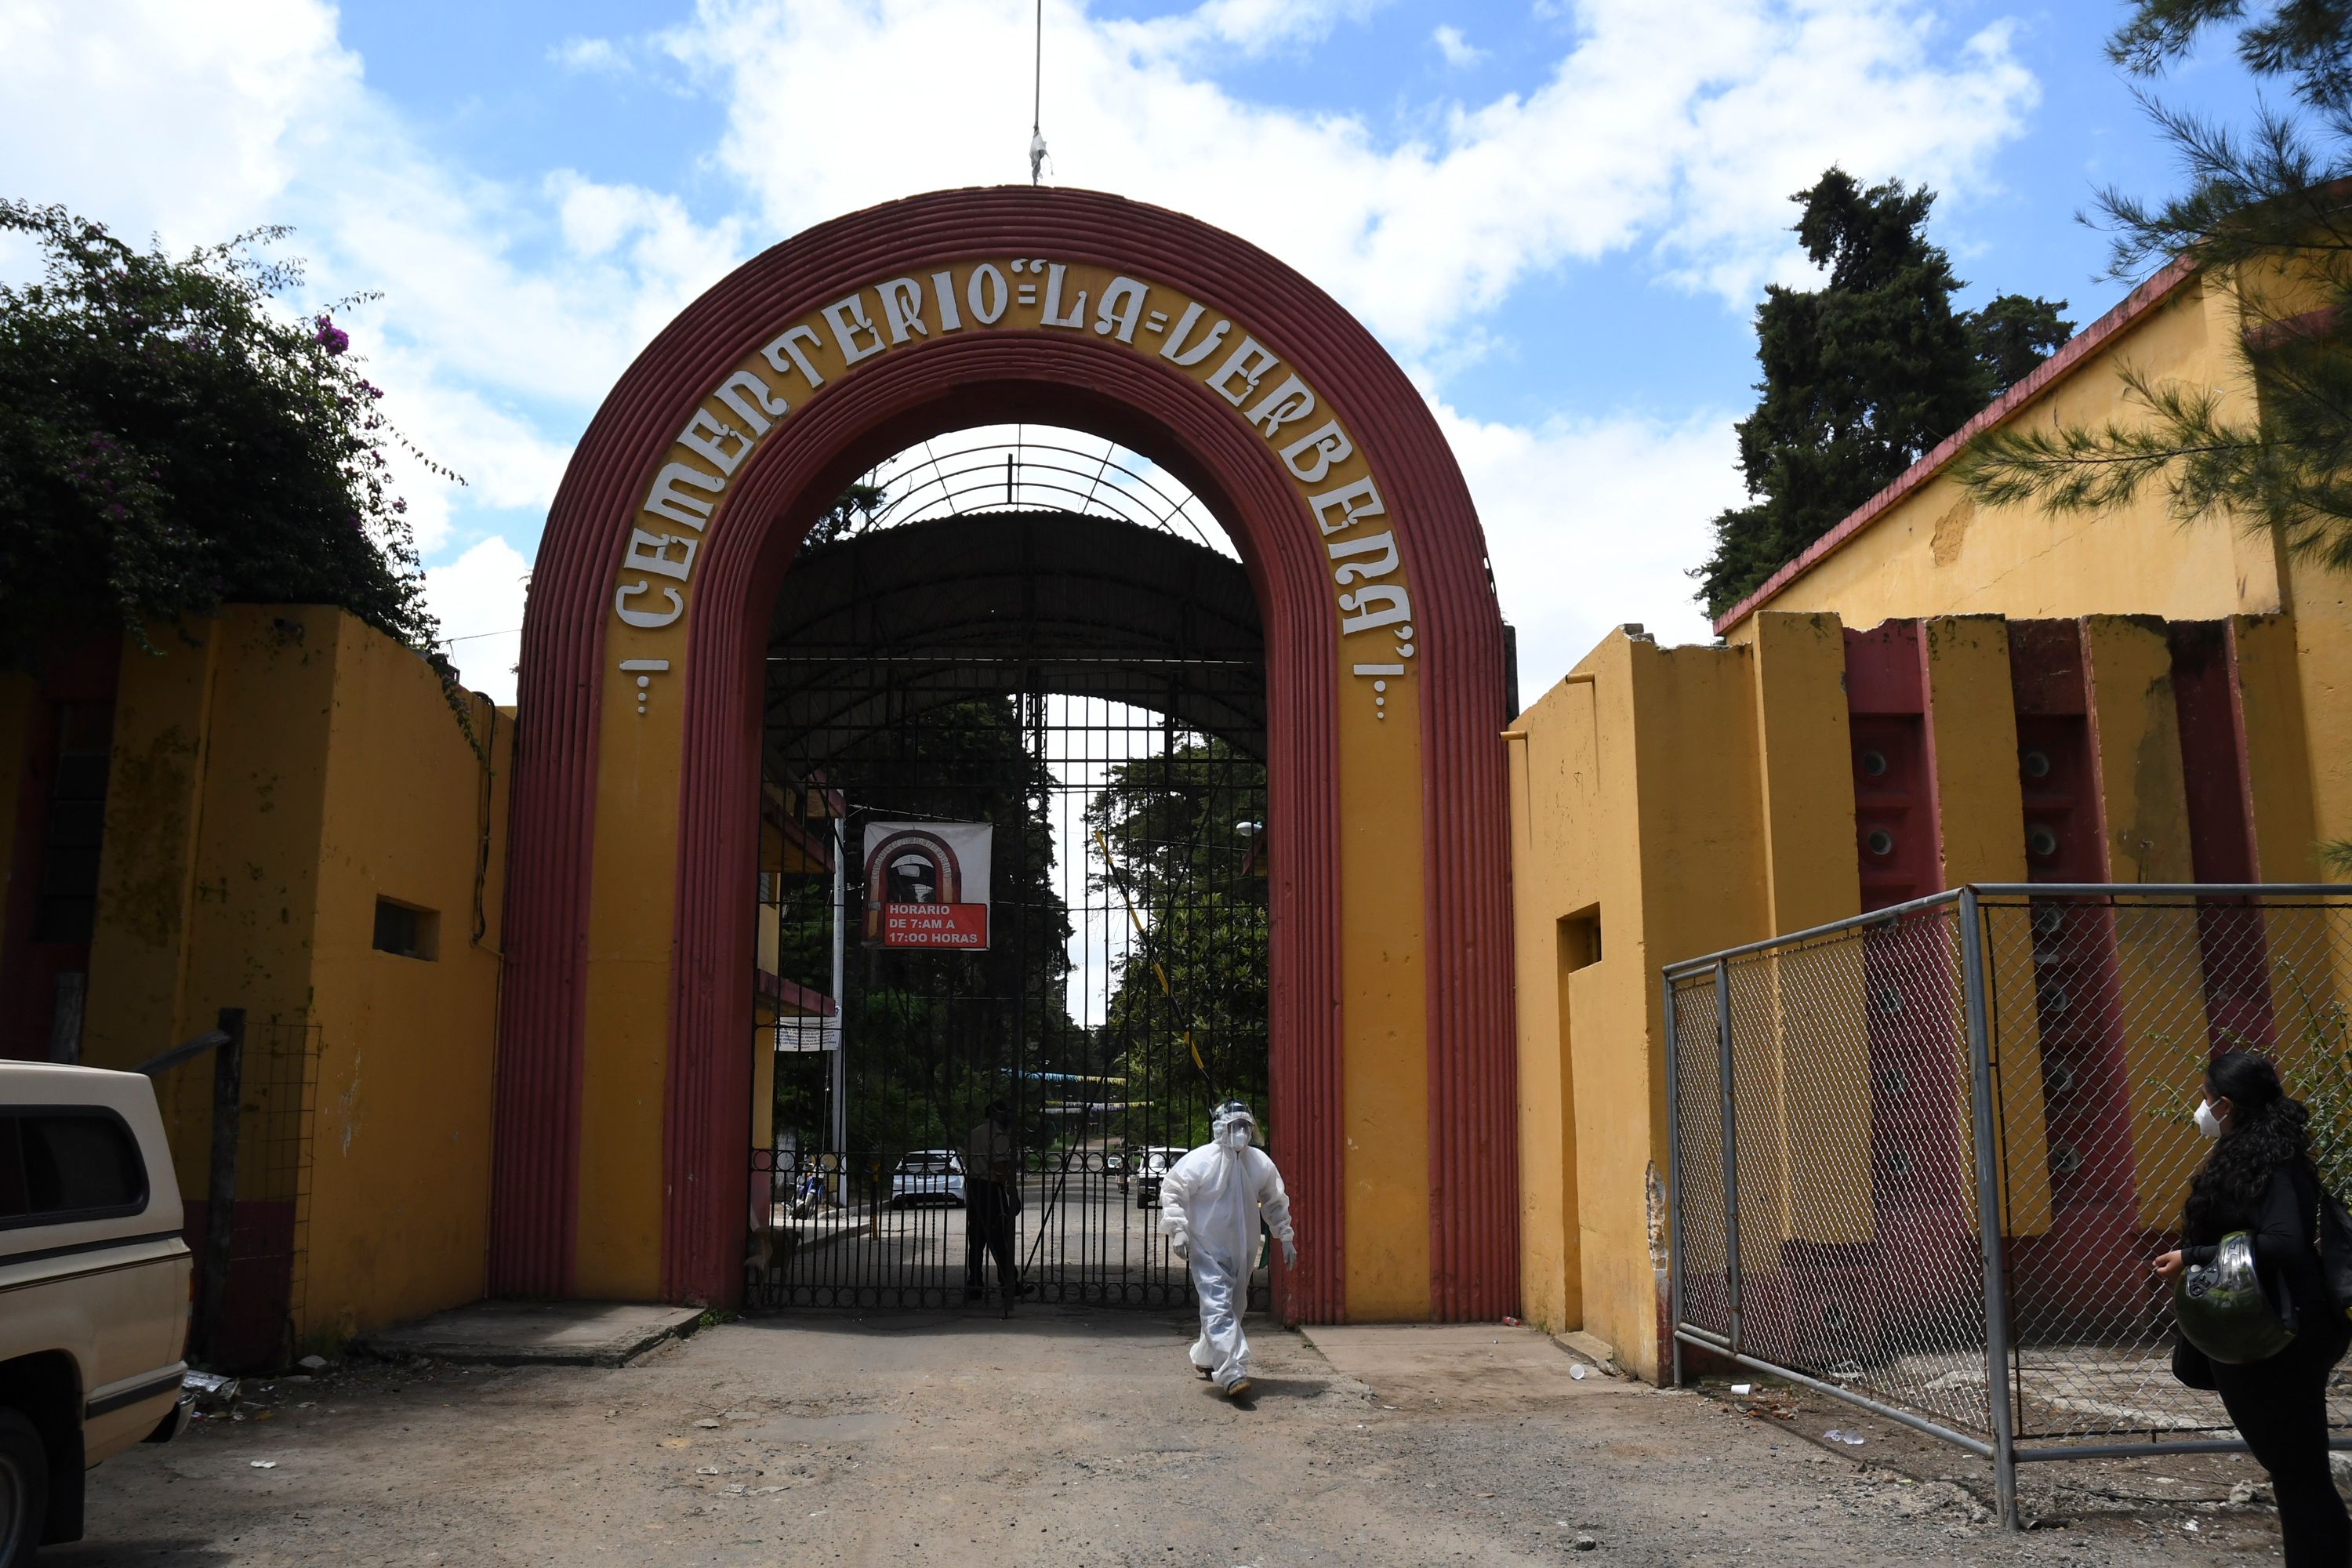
{"type": "Point", "coordinates": [935, 925]}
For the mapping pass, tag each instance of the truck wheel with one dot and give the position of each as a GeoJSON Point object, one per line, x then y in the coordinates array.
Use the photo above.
{"type": "Point", "coordinates": [23, 1488]}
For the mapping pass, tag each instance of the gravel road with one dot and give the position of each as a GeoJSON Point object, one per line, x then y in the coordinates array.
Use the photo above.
{"type": "Point", "coordinates": [1069, 1438]}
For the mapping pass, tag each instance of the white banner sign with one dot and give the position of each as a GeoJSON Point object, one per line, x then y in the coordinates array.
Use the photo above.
{"type": "Point", "coordinates": [927, 884]}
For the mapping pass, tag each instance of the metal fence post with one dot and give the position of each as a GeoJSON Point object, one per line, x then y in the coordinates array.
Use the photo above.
{"type": "Point", "coordinates": [220, 1188]}
{"type": "Point", "coordinates": [1988, 1218]}
{"type": "Point", "coordinates": [1673, 1185]}
{"type": "Point", "coordinates": [1730, 1152]}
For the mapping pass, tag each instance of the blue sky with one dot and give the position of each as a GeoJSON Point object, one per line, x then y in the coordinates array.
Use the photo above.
{"type": "Point", "coordinates": [1557, 214]}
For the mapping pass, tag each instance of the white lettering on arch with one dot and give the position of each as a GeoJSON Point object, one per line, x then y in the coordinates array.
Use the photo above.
{"type": "Point", "coordinates": [666, 500]}
{"type": "Point", "coordinates": [1308, 439]}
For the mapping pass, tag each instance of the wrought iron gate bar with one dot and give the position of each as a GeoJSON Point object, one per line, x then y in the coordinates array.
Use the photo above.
{"type": "Point", "coordinates": [864, 1199]}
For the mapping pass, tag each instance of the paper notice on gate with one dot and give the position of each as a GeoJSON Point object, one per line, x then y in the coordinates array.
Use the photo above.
{"type": "Point", "coordinates": [927, 884]}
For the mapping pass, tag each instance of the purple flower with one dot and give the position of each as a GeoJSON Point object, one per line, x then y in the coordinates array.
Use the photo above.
{"type": "Point", "coordinates": [330, 337]}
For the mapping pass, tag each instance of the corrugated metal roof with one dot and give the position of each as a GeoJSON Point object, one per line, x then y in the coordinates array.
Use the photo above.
{"type": "Point", "coordinates": [890, 623]}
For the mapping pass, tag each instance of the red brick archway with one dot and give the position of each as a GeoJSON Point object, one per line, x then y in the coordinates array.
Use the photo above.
{"type": "Point", "coordinates": [842, 428]}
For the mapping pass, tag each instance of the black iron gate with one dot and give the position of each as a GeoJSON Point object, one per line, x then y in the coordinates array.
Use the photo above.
{"type": "Point", "coordinates": [1093, 693]}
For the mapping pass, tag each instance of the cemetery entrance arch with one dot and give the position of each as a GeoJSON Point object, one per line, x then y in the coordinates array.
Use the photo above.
{"type": "Point", "coordinates": [623, 1100]}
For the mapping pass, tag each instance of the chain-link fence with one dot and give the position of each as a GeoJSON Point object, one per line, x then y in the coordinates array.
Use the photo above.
{"type": "Point", "coordinates": [1922, 1160]}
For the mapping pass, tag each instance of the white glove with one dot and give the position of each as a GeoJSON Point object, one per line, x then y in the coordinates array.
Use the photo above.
{"type": "Point", "coordinates": [1289, 1253]}
{"type": "Point", "coordinates": [1181, 1246]}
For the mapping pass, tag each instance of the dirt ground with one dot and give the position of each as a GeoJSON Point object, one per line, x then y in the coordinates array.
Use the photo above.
{"type": "Point", "coordinates": [1071, 1438]}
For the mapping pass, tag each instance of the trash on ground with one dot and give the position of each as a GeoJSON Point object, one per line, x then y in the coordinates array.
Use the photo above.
{"type": "Point", "coordinates": [1510, 1322]}
{"type": "Point", "coordinates": [707, 1422]}
{"type": "Point", "coordinates": [706, 1469]}
{"type": "Point", "coordinates": [1850, 1439]}
{"type": "Point", "coordinates": [312, 1364]}
{"type": "Point", "coordinates": [1586, 1544]}
{"type": "Point", "coordinates": [1577, 1372]}
{"type": "Point", "coordinates": [263, 1464]}
{"type": "Point", "coordinates": [213, 1391]}
{"type": "Point", "coordinates": [1743, 1388]}
{"type": "Point", "coordinates": [2188, 1525]}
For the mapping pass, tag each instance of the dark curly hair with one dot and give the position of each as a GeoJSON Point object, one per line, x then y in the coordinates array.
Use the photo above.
{"type": "Point", "coordinates": [2266, 1130]}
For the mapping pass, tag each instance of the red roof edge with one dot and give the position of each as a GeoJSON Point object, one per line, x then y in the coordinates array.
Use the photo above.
{"type": "Point", "coordinates": [792, 994]}
{"type": "Point", "coordinates": [2076, 349]}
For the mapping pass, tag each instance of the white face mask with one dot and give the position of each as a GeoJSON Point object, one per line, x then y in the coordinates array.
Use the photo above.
{"type": "Point", "coordinates": [1237, 1136]}
{"type": "Point", "coordinates": [2207, 1122]}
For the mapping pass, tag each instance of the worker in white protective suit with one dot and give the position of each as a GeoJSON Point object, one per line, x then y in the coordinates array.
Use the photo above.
{"type": "Point", "coordinates": [1211, 1206]}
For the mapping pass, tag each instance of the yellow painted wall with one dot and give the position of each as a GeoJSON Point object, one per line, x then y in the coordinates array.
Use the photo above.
{"type": "Point", "coordinates": [624, 1048]}
{"type": "Point", "coordinates": [1637, 800]}
{"type": "Point", "coordinates": [268, 783]}
{"type": "Point", "coordinates": [401, 1141]}
{"type": "Point", "coordinates": [2136, 732]}
{"type": "Point", "coordinates": [1553, 782]}
{"type": "Point", "coordinates": [2278, 765]}
{"type": "Point", "coordinates": [1695, 823]}
{"type": "Point", "coordinates": [1383, 1020]}
{"type": "Point", "coordinates": [147, 869]}
{"type": "Point", "coordinates": [1981, 813]}
{"type": "Point", "coordinates": [257, 882]}
{"type": "Point", "coordinates": [1936, 553]}
{"type": "Point", "coordinates": [1811, 875]}
{"type": "Point", "coordinates": [1806, 779]}
{"type": "Point", "coordinates": [1700, 847]}
{"type": "Point", "coordinates": [2322, 602]}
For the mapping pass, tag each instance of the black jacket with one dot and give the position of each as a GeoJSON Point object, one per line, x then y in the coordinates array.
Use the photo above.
{"type": "Point", "coordinates": [2283, 1228]}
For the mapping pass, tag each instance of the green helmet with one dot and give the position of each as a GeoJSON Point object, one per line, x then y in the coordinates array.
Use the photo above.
{"type": "Point", "coordinates": [2222, 1309]}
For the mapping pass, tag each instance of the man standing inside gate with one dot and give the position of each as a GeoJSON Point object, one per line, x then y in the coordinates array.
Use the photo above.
{"type": "Point", "coordinates": [991, 1198]}
{"type": "Point", "coordinates": [1211, 1207]}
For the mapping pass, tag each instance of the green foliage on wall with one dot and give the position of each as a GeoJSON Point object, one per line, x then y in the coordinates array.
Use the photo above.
{"type": "Point", "coordinates": [172, 438]}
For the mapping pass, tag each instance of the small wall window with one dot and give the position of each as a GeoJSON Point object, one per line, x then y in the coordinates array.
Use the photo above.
{"type": "Point", "coordinates": [406, 930]}
{"type": "Point", "coordinates": [1579, 940]}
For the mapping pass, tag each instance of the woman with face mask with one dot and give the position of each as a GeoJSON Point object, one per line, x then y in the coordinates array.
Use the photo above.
{"type": "Point", "coordinates": [2259, 1179]}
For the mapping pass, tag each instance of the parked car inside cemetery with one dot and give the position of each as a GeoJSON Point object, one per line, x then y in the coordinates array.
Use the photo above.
{"type": "Point", "coordinates": [928, 1176]}
{"type": "Point", "coordinates": [95, 1280]}
{"type": "Point", "coordinates": [1151, 1168]}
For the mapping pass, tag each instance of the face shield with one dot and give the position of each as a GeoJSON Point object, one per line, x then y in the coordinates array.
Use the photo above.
{"type": "Point", "coordinates": [1235, 1128]}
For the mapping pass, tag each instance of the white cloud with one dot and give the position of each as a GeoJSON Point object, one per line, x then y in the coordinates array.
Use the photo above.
{"type": "Point", "coordinates": [1250, 27]}
{"type": "Point", "coordinates": [506, 311]}
{"type": "Point", "coordinates": [1591, 523]}
{"type": "Point", "coordinates": [512, 305]}
{"type": "Point", "coordinates": [1684, 127]}
{"type": "Point", "coordinates": [1459, 52]}
{"type": "Point", "coordinates": [590, 57]}
{"type": "Point", "coordinates": [479, 598]}
{"type": "Point", "coordinates": [188, 119]}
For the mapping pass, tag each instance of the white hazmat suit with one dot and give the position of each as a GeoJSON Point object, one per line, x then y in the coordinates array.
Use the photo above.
{"type": "Point", "coordinates": [1210, 1204]}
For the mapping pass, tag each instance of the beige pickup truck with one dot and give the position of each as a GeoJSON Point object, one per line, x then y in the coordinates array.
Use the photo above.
{"type": "Point", "coordinates": [93, 1289]}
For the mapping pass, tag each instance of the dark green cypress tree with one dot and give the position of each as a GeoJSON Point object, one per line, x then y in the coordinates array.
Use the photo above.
{"type": "Point", "coordinates": [1862, 377]}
